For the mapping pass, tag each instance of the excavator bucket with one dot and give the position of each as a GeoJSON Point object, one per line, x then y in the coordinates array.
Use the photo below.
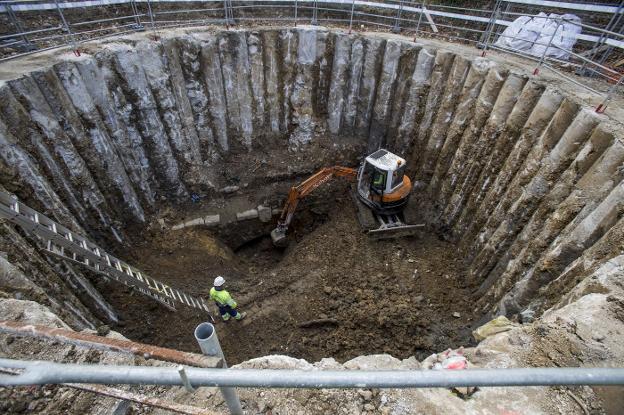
{"type": "Point", "coordinates": [278, 236]}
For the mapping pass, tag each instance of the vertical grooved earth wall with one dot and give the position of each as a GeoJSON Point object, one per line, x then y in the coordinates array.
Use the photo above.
{"type": "Point", "coordinates": [519, 174]}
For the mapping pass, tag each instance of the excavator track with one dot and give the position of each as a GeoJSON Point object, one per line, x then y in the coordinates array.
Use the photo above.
{"type": "Point", "coordinates": [391, 227]}
{"type": "Point", "coordinates": [379, 226]}
{"type": "Point", "coordinates": [365, 215]}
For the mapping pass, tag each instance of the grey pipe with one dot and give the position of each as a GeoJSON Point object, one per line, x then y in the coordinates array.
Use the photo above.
{"type": "Point", "coordinates": [206, 337]}
{"type": "Point", "coordinates": [40, 373]}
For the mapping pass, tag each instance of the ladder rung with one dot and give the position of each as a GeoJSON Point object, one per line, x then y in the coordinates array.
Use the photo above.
{"type": "Point", "coordinates": [186, 300]}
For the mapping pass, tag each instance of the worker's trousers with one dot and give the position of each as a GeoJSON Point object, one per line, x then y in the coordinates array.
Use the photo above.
{"type": "Point", "coordinates": [226, 311]}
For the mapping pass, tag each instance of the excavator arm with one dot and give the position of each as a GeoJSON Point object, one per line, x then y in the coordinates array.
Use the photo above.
{"type": "Point", "coordinates": [302, 190]}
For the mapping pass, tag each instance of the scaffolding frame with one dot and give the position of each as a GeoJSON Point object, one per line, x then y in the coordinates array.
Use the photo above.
{"type": "Point", "coordinates": [478, 26]}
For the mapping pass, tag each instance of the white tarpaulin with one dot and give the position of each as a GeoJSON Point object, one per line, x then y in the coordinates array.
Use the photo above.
{"type": "Point", "coordinates": [533, 34]}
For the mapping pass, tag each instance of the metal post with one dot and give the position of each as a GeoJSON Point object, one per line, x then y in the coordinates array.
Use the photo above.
{"type": "Point", "coordinates": [351, 18]}
{"type": "Point", "coordinates": [135, 12]}
{"type": "Point", "coordinates": [227, 13]}
{"type": "Point", "coordinates": [314, 21]}
{"type": "Point", "coordinates": [397, 21]}
{"type": "Point", "coordinates": [230, 11]}
{"type": "Point", "coordinates": [206, 337]}
{"type": "Point", "coordinates": [150, 13]}
{"type": "Point", "coordinates": [609, 49]}
{"type": "Point", "coordinates": [296, 7]}
{"type": "Point", "coordinates": [422, 8]}
{"type": "Point", "coordinates": [612, 24]}
{"type": "Point", "coordinates": [28, 46]}
{"type": "Point", "coordinates": [67, 29]}
{"type": "Point", "coordinates": [603, 105]}
{"type": "Point", "coordinates": [185, 380]}
{"type": "Point", "coordinates": [543, 57]}
{"type": "Point", "coordinates": [490, 28]}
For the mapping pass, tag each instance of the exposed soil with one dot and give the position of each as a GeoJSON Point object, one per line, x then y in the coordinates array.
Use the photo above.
{"type": "Point", "coordinates": [389, 296]}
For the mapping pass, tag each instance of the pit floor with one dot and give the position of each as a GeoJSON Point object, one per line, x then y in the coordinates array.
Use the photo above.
{"type": "Point", "coordinates": [397, 296]}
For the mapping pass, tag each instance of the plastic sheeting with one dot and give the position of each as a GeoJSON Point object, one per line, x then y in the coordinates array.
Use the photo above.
{"type": "Point", "coordinates": [533, 35]}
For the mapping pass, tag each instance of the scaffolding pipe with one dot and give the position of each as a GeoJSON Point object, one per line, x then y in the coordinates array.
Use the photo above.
{"type": "Point", "coordinates": [42, 373]}
{"type": "Point", "coordinates": [206, 337]}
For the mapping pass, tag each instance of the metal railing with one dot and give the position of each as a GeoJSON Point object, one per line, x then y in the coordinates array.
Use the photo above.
{"type": "Point", "coordinates": [68, 24]}
{"type": "Point", "coordinates": [44, 372]}
{"type": "Point", "coordinates": [22, 372]}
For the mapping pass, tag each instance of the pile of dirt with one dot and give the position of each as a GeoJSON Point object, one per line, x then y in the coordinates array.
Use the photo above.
{"type": "Point", "coordinates": [332, 292]}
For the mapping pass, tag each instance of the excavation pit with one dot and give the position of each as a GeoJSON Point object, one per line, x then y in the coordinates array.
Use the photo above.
{"type": "Point", "coordinates": [333, 291]}
{"type": "Point", "coordinates": [518, 181]}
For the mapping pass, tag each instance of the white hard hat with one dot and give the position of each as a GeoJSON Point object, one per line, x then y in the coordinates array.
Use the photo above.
{"type": "Point", "coordinates": [219, 281]}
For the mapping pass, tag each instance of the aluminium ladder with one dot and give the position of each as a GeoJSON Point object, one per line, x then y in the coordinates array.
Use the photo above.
{"type": "Point", "coordinates": [62, 242]}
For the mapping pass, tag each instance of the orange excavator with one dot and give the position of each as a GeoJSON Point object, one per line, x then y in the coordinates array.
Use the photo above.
{"type": "Point", "coordinates": [380, 195]}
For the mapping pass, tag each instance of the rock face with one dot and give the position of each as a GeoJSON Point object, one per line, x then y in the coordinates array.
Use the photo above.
{"type": "Point", "coordinates": [524, 177]}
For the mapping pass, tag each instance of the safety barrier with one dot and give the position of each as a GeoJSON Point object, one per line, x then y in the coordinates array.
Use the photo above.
{"type": "Point", "coordinates": [478, 26]}
{"type": "Point", "coordinates": [22, 372]}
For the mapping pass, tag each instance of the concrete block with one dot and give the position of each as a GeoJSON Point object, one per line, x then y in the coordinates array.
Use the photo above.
{"type": "Point", "coordinates": [230, 189]}
{"type": "Point", "coordinates": [212, 220]}
{"type": "Point", "coordinates": [264, 213]}
{"type": "Point", "coordinates": [246, 215]}
{"type": "Point", "coordinates": [194, 222]}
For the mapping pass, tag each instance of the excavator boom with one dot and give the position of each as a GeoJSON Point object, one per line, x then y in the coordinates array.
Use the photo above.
{"type": "Point", "coordinates": [278, 235]}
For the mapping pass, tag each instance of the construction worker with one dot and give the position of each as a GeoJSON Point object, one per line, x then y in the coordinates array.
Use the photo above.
{"type": "Point", "coordinates": [379, 180]}
{"type": "Point", "coordinates": [223, 299]}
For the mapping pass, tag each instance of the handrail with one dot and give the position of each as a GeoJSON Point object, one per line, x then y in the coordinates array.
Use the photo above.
{"type": "Point", "coordinates": [43, 372]}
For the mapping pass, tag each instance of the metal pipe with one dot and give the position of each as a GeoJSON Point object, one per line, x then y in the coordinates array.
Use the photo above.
{"type": "Point", "coordinates": [490, 28]}
{"type": "Point", "coordinates": [90, 341]}
{"type": "Point", "coordinates": [206, 337]}
{"type": "Point", "coordinates": [603, 105]}
{"type": "Point", "coordinates": [541, 61]}
{"type": "Point", "coordinates": [112, 19]}
{"type": "Point", "coordinates": [30, 32]}
{"type": "Point", "coordinates": [314, 21]}
{"type": "Point", "coordinates": [40, 373]}
{"type": "Point", "coordinates": [397, 22]}
{"type": "Point", "coordinates": [351, 18]}
{"type": "Point", "coordinates": [185, 381]}
{"type": "Point", "coordinates": [420, 13]}
{"type": "Point", "coordinates": [140, 399]}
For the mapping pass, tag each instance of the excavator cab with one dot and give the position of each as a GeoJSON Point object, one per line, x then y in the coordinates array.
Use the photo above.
{"type": "Point", "coordinates": [382, 183]}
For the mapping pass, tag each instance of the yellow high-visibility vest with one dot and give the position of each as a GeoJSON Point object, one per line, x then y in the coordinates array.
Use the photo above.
{"type": "Point", "coordinates": [222, 297]}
